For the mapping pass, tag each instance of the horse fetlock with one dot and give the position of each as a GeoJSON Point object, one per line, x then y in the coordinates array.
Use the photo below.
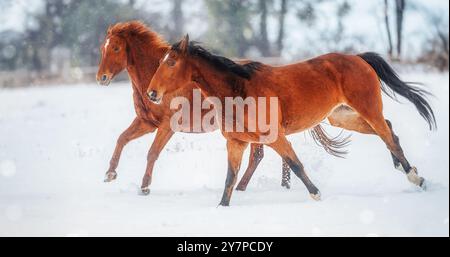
{"type": "Point", "coordinates": [399, 166]}
{"type": "Point", "coordinates": [317, 196]}
{"type": "Point", "coordinates": [145, 191]}
{"type": "Point", "coordinates": [146, 181]}
{"type": "Point", "coordinates": [286, 184]}
{"type": "Point", "coordinates": [110, 176]}
{"type": "Point", "coordinates": [414, 178]}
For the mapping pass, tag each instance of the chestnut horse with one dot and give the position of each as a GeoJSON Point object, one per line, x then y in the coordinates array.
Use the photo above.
{"type": "Point", "coordinates": [346, 89]}
{"type": "Point", "coordinates": [134, 47]}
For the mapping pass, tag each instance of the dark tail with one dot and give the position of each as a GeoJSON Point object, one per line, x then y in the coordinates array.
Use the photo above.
{"type": "Point", "coordinates": [390, 79]}
{"type": "Point", "coordinates": [334, 146]}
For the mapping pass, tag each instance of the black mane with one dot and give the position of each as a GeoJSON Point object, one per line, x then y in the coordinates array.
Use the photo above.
{"type": "Point", "coordinates": [244, 71]}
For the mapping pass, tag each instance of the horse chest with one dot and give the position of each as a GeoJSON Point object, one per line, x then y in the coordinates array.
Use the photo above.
{"type": "Point", "coordinates": [142, 109]}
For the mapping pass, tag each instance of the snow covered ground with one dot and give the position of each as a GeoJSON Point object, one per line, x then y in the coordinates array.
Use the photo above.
{"type": "Point", "coordinates": [55, 145]}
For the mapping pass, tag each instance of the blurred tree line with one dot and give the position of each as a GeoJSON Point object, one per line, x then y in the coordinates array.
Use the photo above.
{"type": "Point", "coordinates": [235, 28]}
{"type": "Point", "coordinates": [244, 24]}
{"type": "Point", "coordinates": [75, 25]}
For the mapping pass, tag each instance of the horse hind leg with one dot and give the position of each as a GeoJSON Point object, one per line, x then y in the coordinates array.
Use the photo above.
{"type": "Point", "coordinates": [286, 176]}
{"type": "Point", "coordinates": [256, 155]}
{"type": "Point", "coordinates": [400, 160]}
{"type": "Point", "coordinates": [397, 163]}
{"type": "Point", "coordinates": [345, 117]}
{"type": "Point", "coordinates": [402, 164]}
{"type": "Point", "coordinates": [371, 110]}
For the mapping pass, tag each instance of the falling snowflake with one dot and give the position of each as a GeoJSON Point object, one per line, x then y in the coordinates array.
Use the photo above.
{"type": "Point", "coordinates": [9, 51]}
{"type": "Point", "coordinates": [7, 168]}
{"type": "Point", "coordinates": [367, 217]}
{"type": "Point", "coordinates": [13, 213]}
{"type": "Point", "coordinates": [77, 73]}
{"type": "Point", "coordinates": [316, 231]}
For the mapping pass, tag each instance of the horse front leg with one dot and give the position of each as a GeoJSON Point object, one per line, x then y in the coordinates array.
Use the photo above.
{"type": "Point", "coordinates": [256, 155]}
{"type": "Point", "coordinates": [235, 151]}
{"type": "Point", "coordinates": [137, 129]}
{"type": "Point", "coordinates": [162, 137]}
{"type": "Point", "coordinates": [284, 148]}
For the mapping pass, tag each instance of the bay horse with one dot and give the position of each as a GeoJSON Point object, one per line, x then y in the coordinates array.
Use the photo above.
{"type": "Point", "coordinates": [346, 89]}
{"type": "Point", "coordinates": [138, 49]}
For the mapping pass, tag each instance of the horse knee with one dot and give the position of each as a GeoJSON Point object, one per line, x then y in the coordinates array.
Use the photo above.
{"type": "Point", "coordinates": [152, 157]}
{"type": "Point", "coordinates": [122, 140]}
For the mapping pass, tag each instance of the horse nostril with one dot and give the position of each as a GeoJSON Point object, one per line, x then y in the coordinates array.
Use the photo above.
{"type": "Point", "coordinates": [153, 94]}
{"type": "Point", "coordinates": [104, 77]}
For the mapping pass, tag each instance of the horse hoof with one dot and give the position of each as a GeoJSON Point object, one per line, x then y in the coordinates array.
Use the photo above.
{"type": "Point", "coordinates": [286, 185]}
{"type": "Point", "coordinates": [424, 186]}
{"type": "Point", "coordinates": [414, 178]}
{"type": "Point", "coordinates": [110, 176]}
{"type": "Point", "coordinates": [145, 191]}
{"type": "Point", "coordinates": [316, 197]}
{"type": "Point", "coordinates": [241, 188]}
{"type": "Point", "coordinates": [223, 205]}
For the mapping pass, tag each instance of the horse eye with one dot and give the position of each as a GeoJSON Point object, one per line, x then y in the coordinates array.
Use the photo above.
{"type": "Point", "coordinates": [116, 49]}
{"type": "Point", "coordinates": [171, 62]}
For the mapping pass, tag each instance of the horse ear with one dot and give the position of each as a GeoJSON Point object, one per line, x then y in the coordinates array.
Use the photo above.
{"type": "Point", "coordinates": [184, 45]}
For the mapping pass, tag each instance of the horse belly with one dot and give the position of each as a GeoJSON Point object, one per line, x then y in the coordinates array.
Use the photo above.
{"type": "Point", "coordinates": [301, 117]}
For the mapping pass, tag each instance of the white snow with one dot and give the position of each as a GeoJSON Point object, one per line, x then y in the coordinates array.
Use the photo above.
{"type": "Point", "coordinates": [55, 145]}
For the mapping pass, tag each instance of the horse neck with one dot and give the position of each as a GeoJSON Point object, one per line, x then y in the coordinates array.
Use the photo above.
{"type": "Point", "coordinates": [216, 83]}
{"type": "Point", "coordinates": [144, 63]}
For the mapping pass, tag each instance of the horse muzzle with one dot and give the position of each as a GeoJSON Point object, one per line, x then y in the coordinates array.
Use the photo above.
{"type": "Point", "coordinates": [153, 97]}
{"type": "Point", "coordinates": [104, 80]}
